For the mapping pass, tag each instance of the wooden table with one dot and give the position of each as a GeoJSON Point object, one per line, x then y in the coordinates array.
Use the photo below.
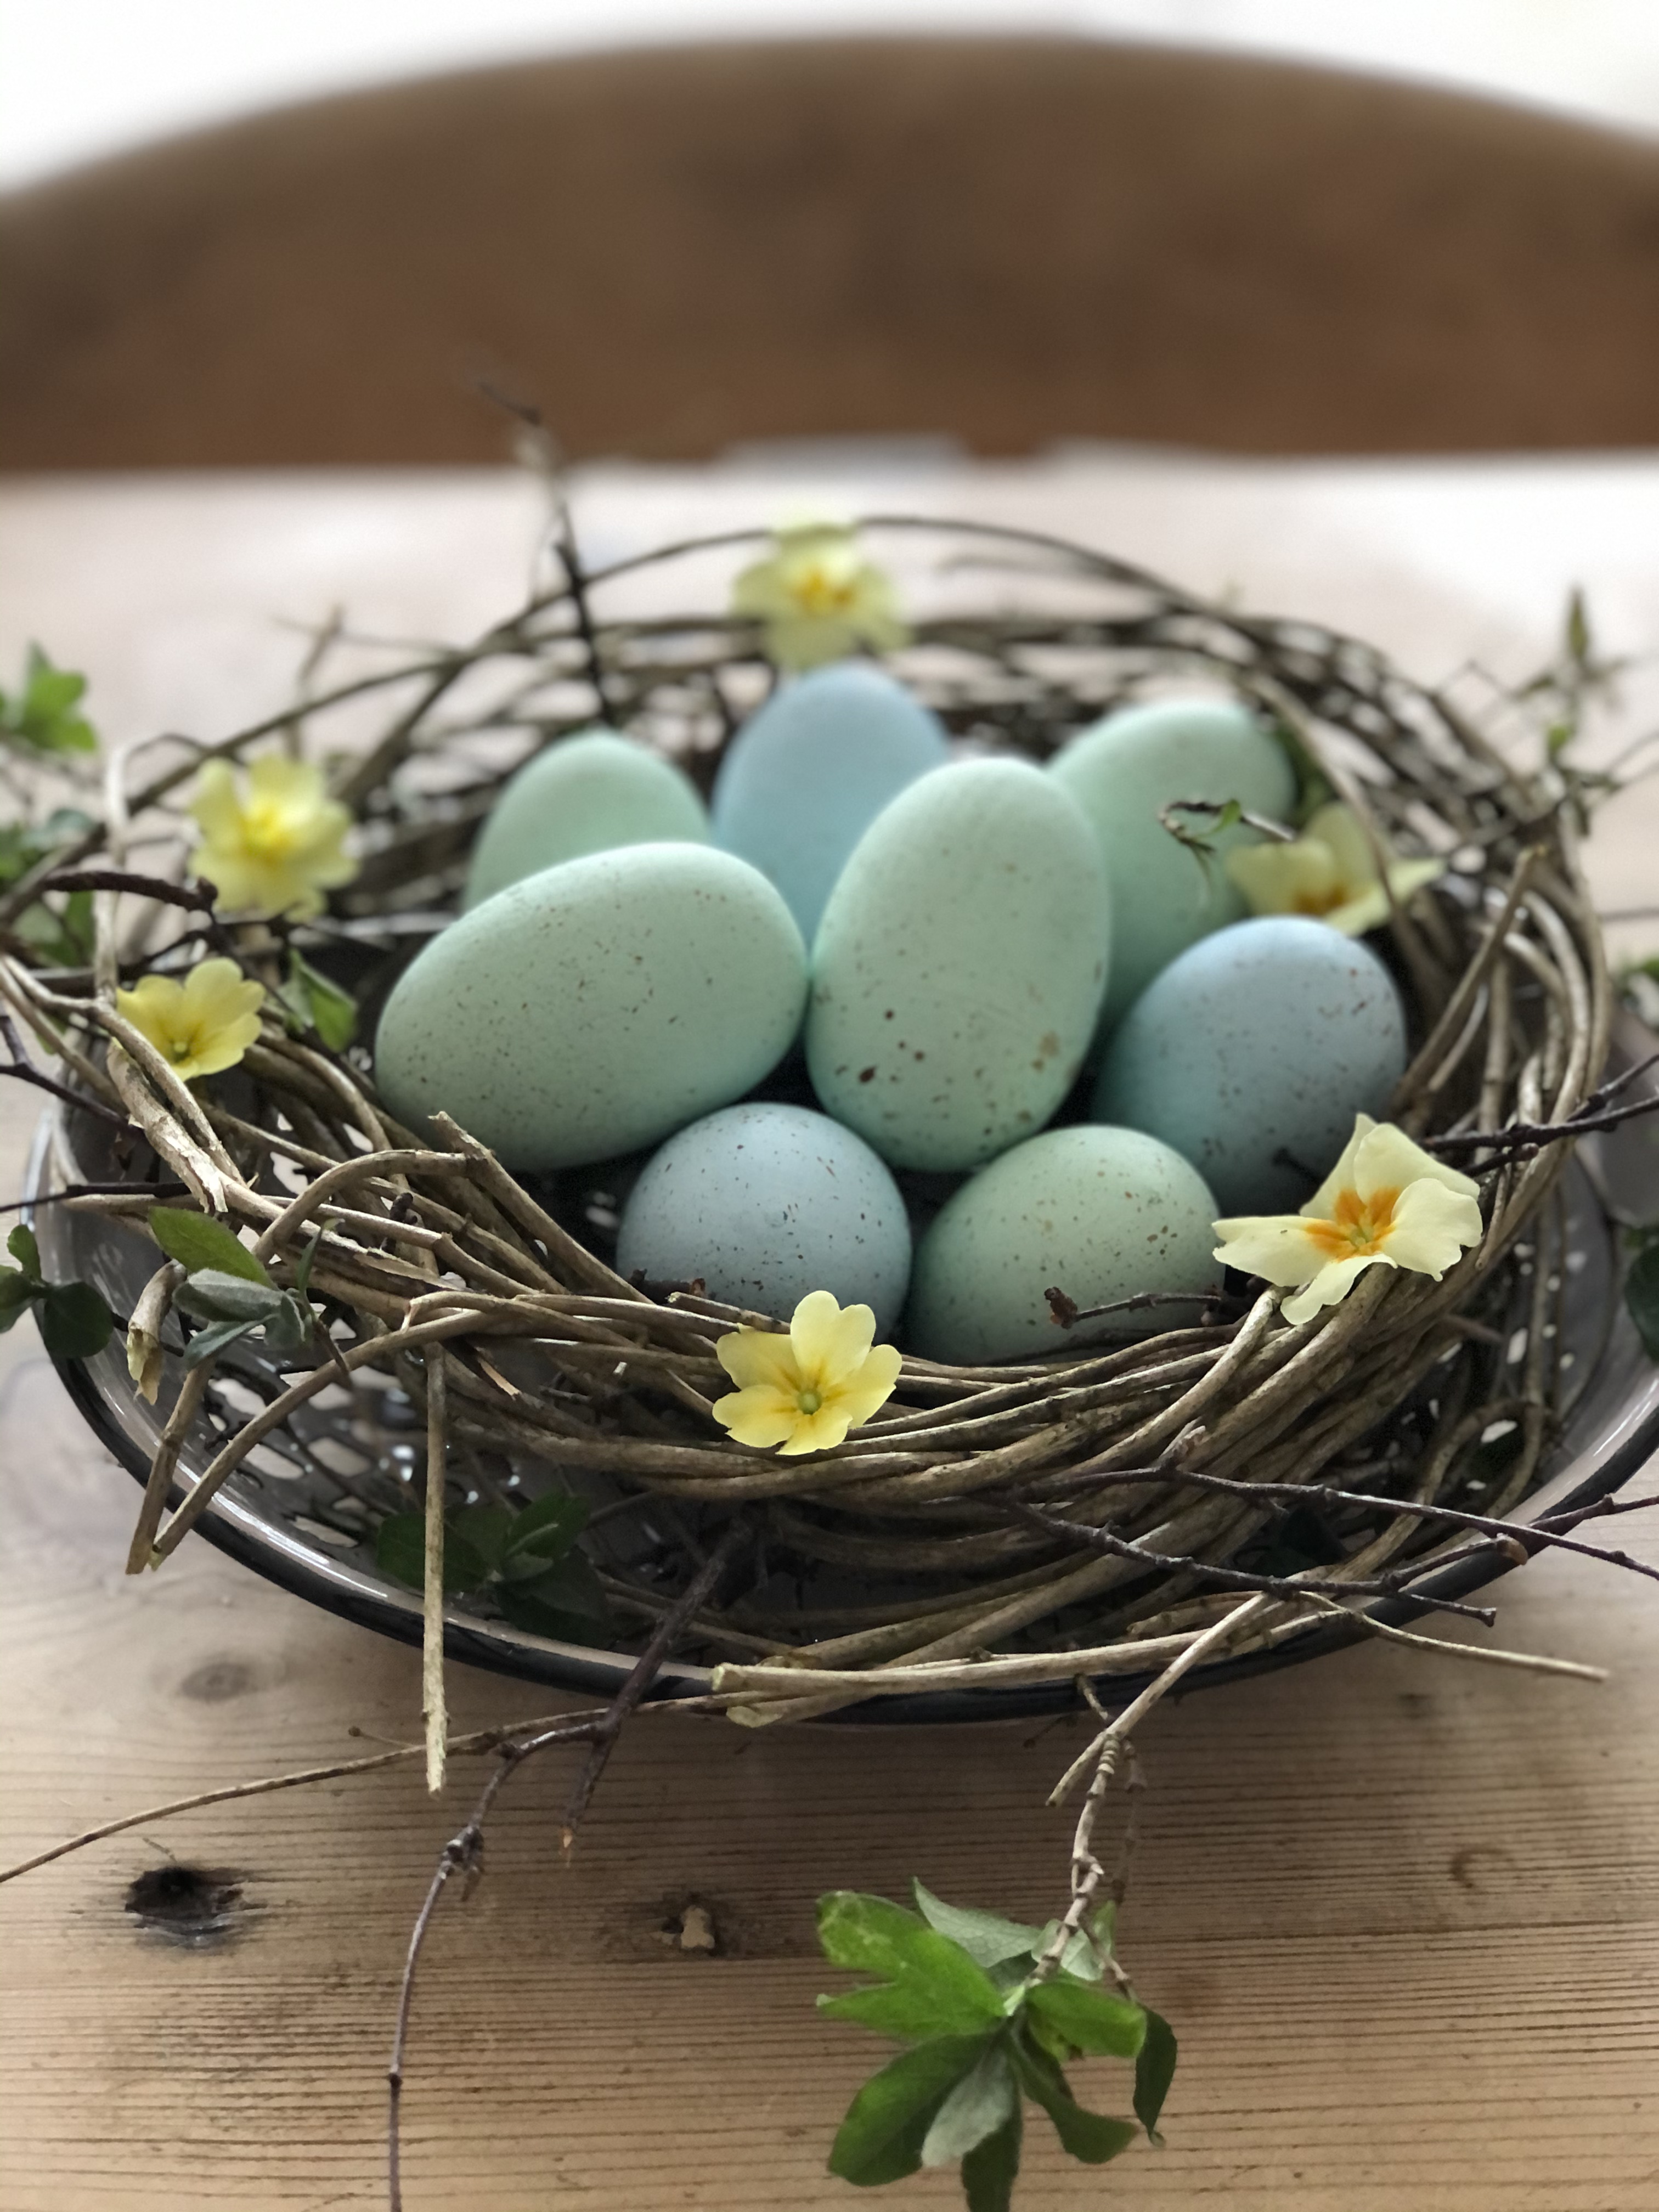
{"type": "Point", "coordinates": [1402, 1908]}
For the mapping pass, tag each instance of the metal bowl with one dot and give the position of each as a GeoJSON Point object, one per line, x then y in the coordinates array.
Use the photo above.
{"type": "Point", "coordinates": [302, 1509]}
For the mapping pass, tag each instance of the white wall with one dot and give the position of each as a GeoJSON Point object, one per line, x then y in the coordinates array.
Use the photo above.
{"type": "Point", "coordinates": [82, 77]}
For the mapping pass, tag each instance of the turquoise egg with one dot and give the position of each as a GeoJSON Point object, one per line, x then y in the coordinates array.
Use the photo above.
{"type": "Point", "coordinates": [582, 794]}
{"type": "Point", "coordinates": [1101, 1214]}
{"type": "Point", "coordinates": [1266, 1039]}
{"type": "Point", "coordinates": [768, 1202]}
{"type": "Point", "coordinates": [593, 1008]}
{"type": "Point", "coordinates": [958, 968]}
{"type": "Point", "coordinates": [1121, 772]}
{"type": "Point", "coordinates": [809, 772]}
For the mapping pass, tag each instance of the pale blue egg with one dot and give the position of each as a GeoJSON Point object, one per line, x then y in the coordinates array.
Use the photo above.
{"type": "Point", "coordinates": [1263, 1040]}
{"type": "Point", "coordinates": [593, 1008]}
{"type": "Point", "coordinates": [957, 971]}
{"type": "Point", "coordinates": [809, 771]}
{"type": "Point", "coordinates": [766, 1203]}
{"type": "Point", "coordinates": [1122, 772]}
{"type": "Point", "coordinates": [1101, 1214]}
{"type": "Point", "coordinates": [582, 794]}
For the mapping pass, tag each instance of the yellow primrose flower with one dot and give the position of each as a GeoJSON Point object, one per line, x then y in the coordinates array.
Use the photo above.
{"type": "Point", "coordinates": [201, 1025]}
{"type": "Point", "coordinates": [1329, 872]}
{"type": "Point", "coordinates": [804, 1391]}
{"type": "Point", "coordinates": [819, 598]}
{"type": "Point", "coordinates": [1385, 1202]}
{"type": "Point", "coordinates": [277, 846]}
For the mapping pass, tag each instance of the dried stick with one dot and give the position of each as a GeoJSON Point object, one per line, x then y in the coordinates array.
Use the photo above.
{"type": "Point", "coordinates": [464, 1852]}
{"type": "Point", "coordinates": [435, 1708]}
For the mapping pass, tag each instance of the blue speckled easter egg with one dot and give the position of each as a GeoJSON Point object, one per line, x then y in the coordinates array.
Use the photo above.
{"type": "Point", "coordinates": [768, 1202]}
{"type": "Point", "coordinates": [1267, 1037]}
{"type": "Point", "coordinates": [583, 794]}
{"type": "Point", "coordinates": [810, 771]}
{"type": "Point", "coordinates": [957, 971]}
{"type": "Point", "coordinates": [593, 1008]}
{"type": "Point", "coordinates": [1120, 773]}
{"type": "Point", "coordinates": [1102, 1214]}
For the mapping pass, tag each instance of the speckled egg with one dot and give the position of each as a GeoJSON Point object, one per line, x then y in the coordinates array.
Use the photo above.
{"type": "Point", "coordinates": [1267, 1038]}
{"type": "Point", "coordinates": [583, 794]}
{"type": "Point", "coordinates": [768, 1202]}
{"type": "Point", "coordinates": [1101, 1214]}
{"type": "Point", "coordinates": [810, 771]}
{"type": "Point", "coordinates": [1120, 773]}
{"type": "Point", "coordinates": [594, 1007]}
{"type": "Point", "coordinates": [959, 966]}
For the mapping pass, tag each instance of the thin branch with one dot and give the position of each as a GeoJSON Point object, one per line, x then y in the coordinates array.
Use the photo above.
{"type": "Point", "coordinates": [434, 1706]}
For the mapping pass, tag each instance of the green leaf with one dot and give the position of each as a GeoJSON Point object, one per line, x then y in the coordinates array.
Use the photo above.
{"type": "Point", "coordinates": [929, 1987]}
{"type": "Point", "coordinates": [1577, 637]}
{"type": "Point", "coordinates": [546, 1530]}
{"type": "Point", "coordinates": [567, 1602]}
{"type": "Point", "coordinates": [1080, 1956]}
{"type": "Point", "coordinates": [1089, 2137]}
{"type": "Point", "coordinates": [987, 1938]}
{"type": "Point", "coordinates": [211, 1294]}
{"type": "Point", "coordinates": [487, 1528]}
{"type": "Point", "coordinates": [18, 1292]}
{"type": "Point", "coordinates": [1154, 2071]}
{"type": "Point", "coordinates": [887, 2123]}
{"type": "Point", "coordinates": [206, 1341]}
{"type": "Point", "coordinates": [982, 2102]}
{"type": "Point", "coordinates": [308, 1262]}
{"type": "Point", "coordinates": [75, 1321]}
{"type": "Point", "coordinates": [23, 1249]}
{"type": "Point", "coordinates": [43, 717]}
{"type": "Point", "coordinates": [1641, 1297]}
{"type": "Point", "coordinates": [1090, 2019]}
{"type": "Point", "coordinates": [290, 1325]}
{"type": "Point", "coordinates": [197, 1241]}
{"type": "Point", "coordinates": [316, 1003]}
{"type": "Point", "coordinates": [988, 2172]}
{"type": "Point", "coordinates": [400, 1552]}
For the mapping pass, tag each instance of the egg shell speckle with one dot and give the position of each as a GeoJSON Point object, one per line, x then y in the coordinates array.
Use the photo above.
{"type": "Point", "coordinates": [582, 794]}
{"type": "Point", "coordinates": [592, 1009]}
{"type": "Point", "coordinates": [1102, 1214]}
{"type": "Point", "coordinates": [1268, 1036]}
{"type": "Point", "coordinates": [959, 966]}
{"type": "Point", "coordinates": [810, 771]}
{"type": "Point", "coordinates": [767, 1202]}
{"type": "Point", "coordinates": [1120, 773]}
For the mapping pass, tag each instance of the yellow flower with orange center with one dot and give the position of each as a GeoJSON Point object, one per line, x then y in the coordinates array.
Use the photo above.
{"type": "Point", "coordinates": [1329, 873]}
{"type": "Point", "coordinates": [802, 1392]}
{"type": "Point", "coordinates": [1386, 1202]}
{"type": "Point", "coordinates": [202, 1025]}
{"type": "Point", "coordinates": [818, 598]}
{"type": "Point", "coordinates": [275, 844]}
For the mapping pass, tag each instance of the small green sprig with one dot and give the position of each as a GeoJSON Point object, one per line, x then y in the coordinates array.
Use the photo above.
{"type": "Point", "coordinates": [74, 1320]}
{"type": "Point", "coordinates": [229, 1288]}
{"type": "Point", "coordinates": [991, 2022]}
{"type": "Point", "coordinates": [528, 1562]}
{"type": "Point", "coordinates": [41, 717]}
{"type": "Point", "coordinates": [310, 1000]}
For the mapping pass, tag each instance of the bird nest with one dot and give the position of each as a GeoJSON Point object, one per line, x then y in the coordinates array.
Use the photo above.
{"type": "Point", "coordinates": [1093, 1513]}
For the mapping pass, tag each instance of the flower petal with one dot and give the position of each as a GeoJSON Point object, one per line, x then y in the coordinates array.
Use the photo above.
{"type": "Point", "coordinates": [751, 1356]}
{"type": "Point", "coordinates": [215, 805]}
{"type": "Point", "coordinates": [1386, 1159]}
{"type": "Point", "coordinates": [1279, 1248]}
{"type": "Point", "coordinates": [1323, 1204]}
{"type": "Point", "coordinates": [761, 1416]}
{"type": "Point", "coordinates": [865, 1392]}
{"type": "Point", "coordinates": [1432, 1227]}
{"type": "Point", "coordinates": [831, 1344]}
{"type": "Point", "coordinates": [1370, 909]}
{"type": "Point", "coordinates": [1332, 1285]}
{"type": "Point", "coordinates": [1340, 830]}
{"type": "Point", "coordinates": [1297, 878]}
{"type": "Point", "coordinates": [819, 1431]}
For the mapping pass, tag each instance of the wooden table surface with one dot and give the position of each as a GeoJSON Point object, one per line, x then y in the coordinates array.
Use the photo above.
{"type": "Point", "coordinates": [1402, 1909]}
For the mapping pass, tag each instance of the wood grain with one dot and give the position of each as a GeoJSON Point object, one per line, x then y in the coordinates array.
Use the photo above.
{"type": "Point", "coordinates": [1404, 1911]}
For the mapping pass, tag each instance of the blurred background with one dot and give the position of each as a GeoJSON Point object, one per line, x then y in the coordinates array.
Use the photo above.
{"type": "Point", "coordinates": [85, 77]}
